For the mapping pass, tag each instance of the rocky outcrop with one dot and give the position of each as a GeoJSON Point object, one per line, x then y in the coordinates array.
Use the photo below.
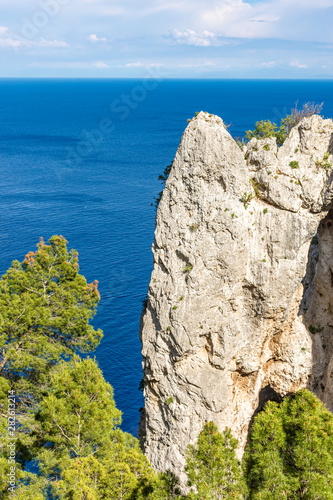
{"type": "Point", "coordinates": [240, 305]}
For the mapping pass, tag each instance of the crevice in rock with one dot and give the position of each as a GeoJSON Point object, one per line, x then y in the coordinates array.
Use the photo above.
{"type": "Point", "coordinates": [267, 394]}
{"type": "Point", "coordinates": [317, 309]}
{"type": "Point", "coordinates": [330, 147]}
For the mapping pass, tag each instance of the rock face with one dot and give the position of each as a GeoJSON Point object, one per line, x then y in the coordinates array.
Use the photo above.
{"type": "Point", "coordinates": [240, 305]}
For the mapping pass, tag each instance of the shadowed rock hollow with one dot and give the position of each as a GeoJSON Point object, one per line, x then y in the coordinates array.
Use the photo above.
{"type": "Point", "coordinates": [240, 305]}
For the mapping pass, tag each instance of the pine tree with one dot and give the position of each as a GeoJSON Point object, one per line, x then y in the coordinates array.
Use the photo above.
{"type": "Point", "coordinates": [165, 487]}
{"type": "Point", "coordinates": [212, 466]}
{"type": "Point", "coordinates": [67, 421]}
{"type": "Point", "coordinates": [45, 308]}
{"type": "Point", "coordinates": [78, 443]}
{"type": "Point", "coordinates": [290, 454]}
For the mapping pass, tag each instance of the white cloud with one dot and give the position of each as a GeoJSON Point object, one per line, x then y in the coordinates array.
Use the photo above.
{"type": "Point", "coordinates": [200, 65]}
{"type": "Point", "coordinates": [308, 4]}
{"type": "Point", "coordinates": [94, 38]}
{"type": "Point", "coordinates": [295, 63]}
{"type": "Point", "coordinates": [270, 64]}
{"type": "Point", "coordinates": [9, 42]}
{"type": "Point", "coordinates": [233, 18]}
{"type": "Point", "coordinates": [100, 65]}
{"type": "Point", "coordinates": [50, 43]}
{"type": "Point", "coordinates": [143, 32]}
{"type": "Point", "coordinates": [16, 42]}
{"type": "Point", "coordinates": [190, 37]}
{"type": "Point", "coordinates": [198, 39]}
{"type": "Point", "coordinates": [140, 64]}
{"type": "Point", "coordinates": [72, 64]}
{"type": "Point", "coordinates": [134, 65]}
{"type": "Point", "coordinates": [281, 19]}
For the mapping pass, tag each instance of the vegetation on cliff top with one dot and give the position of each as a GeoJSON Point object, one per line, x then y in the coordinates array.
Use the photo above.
{"type": "Point", "coordinates": [263, 129]}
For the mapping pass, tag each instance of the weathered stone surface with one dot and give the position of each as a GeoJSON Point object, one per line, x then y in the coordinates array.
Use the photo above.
{"type": "Point", "coordinates": [237, 286]}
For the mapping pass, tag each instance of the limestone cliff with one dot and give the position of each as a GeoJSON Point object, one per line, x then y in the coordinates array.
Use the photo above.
{"type": "Point", "coordinates": [240, 305]}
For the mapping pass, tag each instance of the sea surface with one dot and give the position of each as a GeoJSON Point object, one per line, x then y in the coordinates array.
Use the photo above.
{"type": "Point", "coordinates": [81, 158]}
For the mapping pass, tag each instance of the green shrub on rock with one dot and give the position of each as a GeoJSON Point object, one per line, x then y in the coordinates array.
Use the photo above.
{"type": "Point", "coordinates": [265, 128]}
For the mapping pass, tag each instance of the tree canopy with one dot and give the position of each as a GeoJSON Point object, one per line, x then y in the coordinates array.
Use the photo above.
{"type": "Point", "coordinates": [290, 453]}
{"type": "Point", "coordinates": [68, 426]}
{"type": "Point", "coordinates": [77, 438]}
{"type": "Point", "coordinates": [45, 308]}
{"type": "Point", "coordinates": [212, 466]}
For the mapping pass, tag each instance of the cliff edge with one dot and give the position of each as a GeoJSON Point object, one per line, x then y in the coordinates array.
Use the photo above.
{"type": "Point", "coordinates": [240, 301]}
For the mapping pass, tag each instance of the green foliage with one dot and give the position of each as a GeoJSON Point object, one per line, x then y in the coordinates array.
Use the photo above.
{"type": "Point", "coordinates": [256, 187]}
{"type": "Point", "coordinates": [265, 128]}
{"type": "Point", "coordinates": [163, 178]}
{"type": "Point", "coordinates": [294, 164]}
{"type": "Point", "coordinates": [194, 227]}
{"type": "Point", "coordinates": [80, 451]}
{"type": "Point", "coordinates": [45, 309]}
{"type": "Point", "coordinates": [289, 455]}
{"type": "Point", "coordinates": [165, 487]}
{"type": "Point", "coordinates": [123, 473]}
{"type": "Point", "coordinates": [212, 466]}
{"type": "Point", "coordinates": [315, 329]}
{"type": "Point", "coordinates": [188, 268]}
{"type": "Point", "coordinates": [68, 424]}
{"type": "Point", "coordinates": [78, 415]}
{"type": "Point", "coordinates": [144, 303]}
{"type": "Point", "coordinates": [141, 385]}
{"type": "Point", "coordinates": [246, 199]}
{"type": "Point", "coordinates": [325, 164]}
{"type": "Point", "coordinates": [67, 421]}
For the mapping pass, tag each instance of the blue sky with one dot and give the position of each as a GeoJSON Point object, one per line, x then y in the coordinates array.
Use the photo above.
{"type": "Point", "coordinates": [176, 39]}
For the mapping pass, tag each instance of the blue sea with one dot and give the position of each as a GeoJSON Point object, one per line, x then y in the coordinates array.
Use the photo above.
{"type": "Point", "coordinates": [81, 158]}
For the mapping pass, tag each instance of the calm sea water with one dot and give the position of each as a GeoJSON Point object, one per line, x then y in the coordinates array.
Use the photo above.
{"type": "Point", "coordinates": [66, 169]}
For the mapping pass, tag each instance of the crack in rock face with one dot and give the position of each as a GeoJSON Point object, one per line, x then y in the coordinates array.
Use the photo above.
{"type": "Point", "coordinates": [240, 301]}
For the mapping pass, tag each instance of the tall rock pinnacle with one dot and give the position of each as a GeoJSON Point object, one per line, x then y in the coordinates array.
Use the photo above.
{"type": "Point", "coordinates": [240, 301]}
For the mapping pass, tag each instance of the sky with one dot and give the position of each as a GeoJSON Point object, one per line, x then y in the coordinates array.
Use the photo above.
{"type": "Point", "coordinates": [174, 39]}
